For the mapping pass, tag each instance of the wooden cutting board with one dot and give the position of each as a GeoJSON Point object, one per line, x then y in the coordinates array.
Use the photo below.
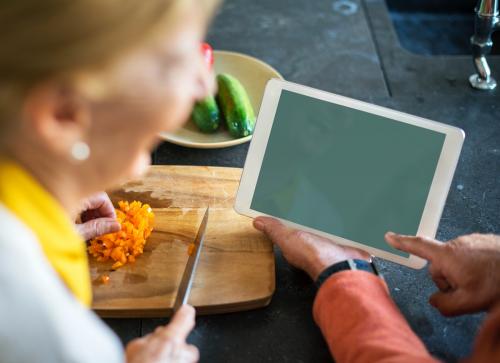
{"type": "Point", "coordinates": [236, 269]}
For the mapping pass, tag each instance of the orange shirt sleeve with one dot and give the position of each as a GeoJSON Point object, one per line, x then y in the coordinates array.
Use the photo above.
{"type": "Point", "coordinates": [362, 324]}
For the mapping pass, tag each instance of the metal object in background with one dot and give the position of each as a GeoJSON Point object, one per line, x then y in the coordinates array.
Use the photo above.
{"type": "Point", "coordinates": [345, 7]}
{"type": "Point", "coordinates": [188, 276]}
{"type": "Point", "coordinates": [486, 22]}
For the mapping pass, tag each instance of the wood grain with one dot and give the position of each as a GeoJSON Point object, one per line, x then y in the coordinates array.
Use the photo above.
{"type": "Point", "coordinates": [236, 269]}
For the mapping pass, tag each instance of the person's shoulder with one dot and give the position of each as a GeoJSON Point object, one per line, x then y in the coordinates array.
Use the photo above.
{"type": "Point", "coordinates": [14, 234]}
{"type": "Point", "coordinates": [37, 309]}
{"type": "Point", "coordinates": [21, 252]}
{"type": "Point", "coordinates": [22, 261]}
{"type": "Point", "coordinates": [21, 255]}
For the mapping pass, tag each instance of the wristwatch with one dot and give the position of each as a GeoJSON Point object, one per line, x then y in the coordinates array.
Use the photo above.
{"type": "Point", "coordinates": [351, 264]}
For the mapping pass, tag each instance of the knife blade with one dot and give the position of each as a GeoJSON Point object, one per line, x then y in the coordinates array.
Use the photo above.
{"type": "Point", "coordinates": [192, 262]}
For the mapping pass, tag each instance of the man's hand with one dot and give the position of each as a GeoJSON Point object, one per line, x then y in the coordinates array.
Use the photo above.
{"type": "Point", "coordinates": [97, 217]}
{"type": "Point", "coordinates": [167, 343]}
{"type": "Point", "coordinates": [305, 250]}
{"type": "Point", "coordinates": [466, 270]}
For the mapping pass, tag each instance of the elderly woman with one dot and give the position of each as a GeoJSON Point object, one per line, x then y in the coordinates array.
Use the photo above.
{"type": "Point", "coordinates": [85, 88]}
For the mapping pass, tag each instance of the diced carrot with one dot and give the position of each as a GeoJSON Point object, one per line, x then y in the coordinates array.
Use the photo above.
{"type": "Point", "coordinates": [136, 220]}
{"type": "Point", "coordinates": [117, 265]}
{"type": "Point", "coordinates": [191, 248]}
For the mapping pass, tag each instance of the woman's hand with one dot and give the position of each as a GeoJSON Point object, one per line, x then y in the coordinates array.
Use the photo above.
{"type": "Point", "coordinates": [305, 250]}
{"type": "Point", "coordinates": [466, 270]}
{"type": "Point", "coordinates": [97, 217]}
{"type": "Point", "coordinates": [167, 343]}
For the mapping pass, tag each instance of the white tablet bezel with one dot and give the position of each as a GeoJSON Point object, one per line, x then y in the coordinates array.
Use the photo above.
{"type": "Point", "coordinates": [438, 192]}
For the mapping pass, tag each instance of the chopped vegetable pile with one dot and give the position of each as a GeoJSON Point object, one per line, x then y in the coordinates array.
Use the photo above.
{"type": "Point", "coordinates": [124, 246]}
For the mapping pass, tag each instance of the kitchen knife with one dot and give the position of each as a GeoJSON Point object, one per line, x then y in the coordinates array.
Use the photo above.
{"type": "Point", "coordinates": [189, 272]}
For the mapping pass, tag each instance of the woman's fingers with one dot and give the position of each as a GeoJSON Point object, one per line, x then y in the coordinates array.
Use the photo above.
{"type": "Point", "coordinates": [98, 217]}
{"type": "Point", "coordinates": [97, 227]}
{"type": "Point", "coordinates": [167, 343]}
{"type": "Point", "coordinates": [191, 353]}
{"type": "Point", "coordinates": [99, 205]}
{"type": "Point", "coordinates": [178, 353]}
{"type": "Point", "coordinates": [158, 347]}
{"type": "Point", "coordinates": [181, 324]}
{"type": "Point", "coordinates": [423, 247]}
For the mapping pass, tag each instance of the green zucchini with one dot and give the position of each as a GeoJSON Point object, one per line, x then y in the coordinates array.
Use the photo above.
{"type": "Point", "coordinates": [206, 115]}
{"type": "Point", "coordinates": [235, 106]}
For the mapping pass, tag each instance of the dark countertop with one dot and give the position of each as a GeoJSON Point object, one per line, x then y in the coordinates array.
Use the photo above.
{"type": "Point", "coordinates": [357, 54]}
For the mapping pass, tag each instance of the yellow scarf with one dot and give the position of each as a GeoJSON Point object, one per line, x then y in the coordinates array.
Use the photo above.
{"type": "Point", "coordinates": [61, 244]}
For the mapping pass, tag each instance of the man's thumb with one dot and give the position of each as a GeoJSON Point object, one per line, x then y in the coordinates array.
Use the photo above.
{"type": "Point", "coordinates": [449, 303]}
{"type": "Point", "coordinates": [272, 227]}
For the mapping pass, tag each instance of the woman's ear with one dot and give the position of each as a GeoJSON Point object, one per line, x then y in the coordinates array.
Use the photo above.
{"type": "Point", "coordinates": [58, 116]}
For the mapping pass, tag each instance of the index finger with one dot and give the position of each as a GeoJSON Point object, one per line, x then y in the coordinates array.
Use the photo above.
{"type": "Point", "coordinates": [181, 324]}
{"type": "Point", "coordinates": [423, 247]}
{"type": "Point", "coordinates": [101, 203]}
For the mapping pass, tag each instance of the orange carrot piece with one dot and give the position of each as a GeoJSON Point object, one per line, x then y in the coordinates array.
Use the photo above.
{"type": "Point", "coordinates": [136, 220]}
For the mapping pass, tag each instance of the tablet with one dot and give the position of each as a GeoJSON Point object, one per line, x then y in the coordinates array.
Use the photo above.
{"type": "Point", "coordinates": [346, 169]}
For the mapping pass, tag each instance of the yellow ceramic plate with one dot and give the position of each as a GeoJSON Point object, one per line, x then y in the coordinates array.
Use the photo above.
{"type": "Point", "coordinates": [253, 74]}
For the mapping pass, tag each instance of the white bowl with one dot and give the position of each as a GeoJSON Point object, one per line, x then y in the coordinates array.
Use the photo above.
{"type": "Point", "coordinates": [253, 75]}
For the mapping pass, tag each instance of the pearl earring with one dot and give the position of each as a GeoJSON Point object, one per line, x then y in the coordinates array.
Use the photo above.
{"type": "Point", "coordinates": [80, 151]}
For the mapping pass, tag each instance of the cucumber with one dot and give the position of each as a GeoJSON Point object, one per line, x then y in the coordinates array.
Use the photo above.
{"type": "Point", "coordinates": [206, 115]}
{"type": "Point", "coordinates": [235, 106]}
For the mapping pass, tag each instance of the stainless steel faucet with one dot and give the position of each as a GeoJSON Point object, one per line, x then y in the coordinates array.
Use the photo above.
{"type": "Point", "coordinates": [486, 22]}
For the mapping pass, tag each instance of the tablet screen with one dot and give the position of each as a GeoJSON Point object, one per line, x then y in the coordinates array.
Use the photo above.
{"type": "Point", "coordinates": [346, 172]}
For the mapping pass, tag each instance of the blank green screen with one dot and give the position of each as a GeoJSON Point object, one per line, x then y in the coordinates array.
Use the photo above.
{"type": "Point", "coordinates": [346, 172]}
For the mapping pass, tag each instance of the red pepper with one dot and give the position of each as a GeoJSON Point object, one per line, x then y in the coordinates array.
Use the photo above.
{"type": "Point", "coordinates": [207, 52]}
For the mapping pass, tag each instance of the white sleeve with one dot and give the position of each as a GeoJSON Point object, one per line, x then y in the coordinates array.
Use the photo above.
{"type": "Point", "coordinates": [40, 321]}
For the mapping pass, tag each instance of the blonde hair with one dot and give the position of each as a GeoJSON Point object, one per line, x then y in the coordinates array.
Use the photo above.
{"type": "Point", "coordinates": [50, 38]}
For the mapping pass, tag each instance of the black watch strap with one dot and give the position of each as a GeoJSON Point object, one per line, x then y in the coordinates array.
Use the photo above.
{"type": "Point", "coordinates": [355, 264]}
